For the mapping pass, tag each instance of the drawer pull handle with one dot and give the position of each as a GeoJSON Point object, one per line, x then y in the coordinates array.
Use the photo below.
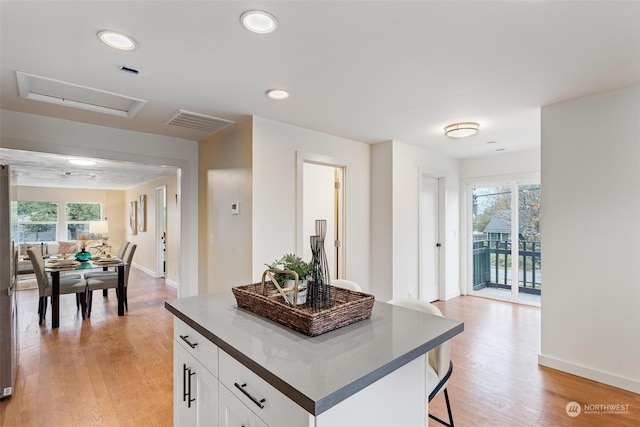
{"type": "Point", "coordinates": [184, 382]}
{"type": "Point", "coordinates": [246, 393]}
{"type": "Point", "coordinates": [189, 397]}
{"type": "Point", "coordinates": [184, 338]}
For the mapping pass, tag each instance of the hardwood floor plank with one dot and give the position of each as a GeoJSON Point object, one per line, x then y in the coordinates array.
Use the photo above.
{"type": "Point", "coordinates": [497, 381]}
{"type": "Point", "coordinates": [103, 371]}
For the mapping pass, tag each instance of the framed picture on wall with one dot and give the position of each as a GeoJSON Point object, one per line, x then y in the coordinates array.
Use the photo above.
{"type": "Point", "coordinates": [142, 213]}
{"type": "Point", "coordinates": [133, 218]}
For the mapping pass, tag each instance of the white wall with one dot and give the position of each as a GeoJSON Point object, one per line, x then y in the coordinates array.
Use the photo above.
{"type": "Point", "coordinates": [501, 165]}
{"type": "Point", "coordinates": [277, 148]}
{"type": "Point", "coordinates": [226, 239]}
{"type": "Point", "coordinates": [398, 276]}
{"type": "Point", "coordinates": [590, 234]}
{"type": "Point", "coordinates": [382, 220]}
{"type": "Point", "coordinates": [45, 134]}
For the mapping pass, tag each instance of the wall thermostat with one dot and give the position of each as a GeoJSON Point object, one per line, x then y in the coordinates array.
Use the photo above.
{"type": "Point", "coordinates": [235, 208]}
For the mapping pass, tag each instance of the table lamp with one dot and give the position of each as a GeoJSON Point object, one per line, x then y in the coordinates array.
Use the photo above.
{"type": "Point", "coordinates": [100, 228]}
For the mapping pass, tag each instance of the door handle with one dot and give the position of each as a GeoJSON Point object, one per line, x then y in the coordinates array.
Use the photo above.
{"type": "Point", "coordinates": [184, 382]}
{"type": "Point", "coordinates": [190, 399]}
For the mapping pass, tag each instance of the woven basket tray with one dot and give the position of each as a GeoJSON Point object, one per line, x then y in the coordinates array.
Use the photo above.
{"type": "Point", "coordinates": [347, 307]}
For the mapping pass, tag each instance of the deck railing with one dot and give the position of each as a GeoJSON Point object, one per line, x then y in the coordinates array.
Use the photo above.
{"type": "Point", "coordinates": [492, 265]}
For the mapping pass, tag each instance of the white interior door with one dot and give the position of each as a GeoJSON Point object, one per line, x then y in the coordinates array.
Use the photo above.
{"type": "Point", "coordinates": [322, 199]}
{"type": "Point", "coordinates": [429, 243]}
{"type": "Point", "coordinates": [161, 231]}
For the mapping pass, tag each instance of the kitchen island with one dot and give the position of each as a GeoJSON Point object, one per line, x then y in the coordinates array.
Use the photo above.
{"type": "Point", "coordinates": [234, 368]}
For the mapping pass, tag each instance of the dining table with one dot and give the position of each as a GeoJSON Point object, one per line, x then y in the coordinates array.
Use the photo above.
{"type": "Point", "coordinates": [54, 268]}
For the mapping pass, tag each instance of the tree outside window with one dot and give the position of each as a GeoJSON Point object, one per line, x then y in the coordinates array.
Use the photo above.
{"type": "Point", "coordinates": [78, 216]}
{"type": "Point", "coordinates": [37, 221]}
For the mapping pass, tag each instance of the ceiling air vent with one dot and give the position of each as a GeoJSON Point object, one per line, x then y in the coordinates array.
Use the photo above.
{"type": "Point", "coordinates": [201, 122]}
{"type": "Point", "coordinates": [71, 95]}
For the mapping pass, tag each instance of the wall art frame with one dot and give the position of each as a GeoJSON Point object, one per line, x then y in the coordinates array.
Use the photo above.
{"type": "Point", "coordinates": [133, 217]}
{"type": "Point", "coordinates": [142, 213]}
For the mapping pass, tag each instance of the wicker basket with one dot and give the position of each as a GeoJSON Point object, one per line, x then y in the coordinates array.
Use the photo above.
{"type": "Point", "coordinates": [347, 307]}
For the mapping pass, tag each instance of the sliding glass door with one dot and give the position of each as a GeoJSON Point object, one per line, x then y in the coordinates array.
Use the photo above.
{"type": "Point", "coordinates": [506, 250]}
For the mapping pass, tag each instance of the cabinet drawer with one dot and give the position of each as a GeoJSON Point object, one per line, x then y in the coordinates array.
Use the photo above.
{"type": "Point", "coordinates": [198, 346]}
{"type": "Point", "coordinates": [276, 409]}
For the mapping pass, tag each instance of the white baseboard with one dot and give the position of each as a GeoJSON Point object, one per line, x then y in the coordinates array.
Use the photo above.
{"type": "Point", "coordinates": [153, 274]}
{"type": "Point", "coordinates": [143, 269]}
{"type": "Point", "coordinates": [452, 295]}
{"type": "Point", "coordinates": [589, 373]}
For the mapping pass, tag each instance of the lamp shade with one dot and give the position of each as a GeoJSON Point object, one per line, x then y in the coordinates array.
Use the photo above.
{"type": "Point", "coordinates": [98, 227]}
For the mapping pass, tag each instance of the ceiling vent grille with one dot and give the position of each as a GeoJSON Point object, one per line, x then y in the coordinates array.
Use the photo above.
{"type": "Point", "coordinates": [201, 122]}
{"type": "Point", "coordinates": [71, 95]}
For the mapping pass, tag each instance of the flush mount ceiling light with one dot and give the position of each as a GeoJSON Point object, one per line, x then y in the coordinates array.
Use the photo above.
{"type": "Point", "coordinates": [259, 22]}
{"type": "Point", "coordinates": [462, 129]}
{"type": "Point", "coordinates": [116, 40]}
{"type": "Point", "coordinates": [277, 94]}
{"type": "Point", "coordinates": [81, 162]}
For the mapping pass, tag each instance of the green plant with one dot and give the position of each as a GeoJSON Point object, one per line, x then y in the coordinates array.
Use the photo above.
{"type": "Point", "coordinates": [290, 262]}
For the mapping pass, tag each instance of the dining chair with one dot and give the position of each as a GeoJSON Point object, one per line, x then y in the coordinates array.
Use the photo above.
{"type": "Point", "coordinates": [347, 284]}
{"type": "Point", "coordinates": [440, 366]}
{"type": "Point", "coordinates": [110, 280]}
{"type": "Point", "coordinates": [121, 253]}
{"type": "Point", "coordinates": [68, 285]}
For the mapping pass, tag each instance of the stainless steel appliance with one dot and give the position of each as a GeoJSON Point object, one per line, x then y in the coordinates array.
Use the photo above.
{"type": "Point", "coordinates": [8, 286]}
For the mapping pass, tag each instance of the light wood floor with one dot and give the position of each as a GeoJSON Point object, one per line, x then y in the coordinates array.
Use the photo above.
{"type": "Point", "coordinates": [497, 381]}
{"type": "Point", "coordinates": [117, 371]}
{"type": "Point", "coordinates": [103, 371]}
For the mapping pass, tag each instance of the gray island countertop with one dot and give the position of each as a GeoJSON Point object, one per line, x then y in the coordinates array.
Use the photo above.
{"type": "Point", "coordinates": [316, 372]}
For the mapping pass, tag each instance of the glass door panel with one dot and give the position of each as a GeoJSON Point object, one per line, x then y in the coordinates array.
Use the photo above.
{"type": "Point", "coordinates": [492, 229]}
{"type": "Point", "coordinates": [529, 250]}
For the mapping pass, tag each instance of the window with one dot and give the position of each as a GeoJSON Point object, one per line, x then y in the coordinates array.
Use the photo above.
{"type": "Point", "coordinates": [78, 215]}
{"type": "Point", "coordinates": [37, 221]}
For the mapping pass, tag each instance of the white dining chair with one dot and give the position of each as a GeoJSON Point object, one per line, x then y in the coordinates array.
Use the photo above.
{"type": "Point", "coordinates": [440, 366]}
{"type": "Point", "coordinates": [107, 281]}
{"type": "Point", "coordinates": [346, 284]}
{"type": "Point", "coordinates": [68, 285]}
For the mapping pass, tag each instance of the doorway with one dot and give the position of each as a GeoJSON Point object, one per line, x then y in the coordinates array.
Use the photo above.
{"type": "Point", "coordinates": [506, 251]}
{"type": "Point", "coordinates": [161, 231]}
{"type": "Point", "coordinates": [429, 243]}
{"type": "Point", "coordinates": [323, 198]}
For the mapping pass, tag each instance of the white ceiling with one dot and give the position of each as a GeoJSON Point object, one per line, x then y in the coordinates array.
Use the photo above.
{"type": "Point", "coordinates": [53, 170]}
{"type": "Point", "coordinates": [367, 71]}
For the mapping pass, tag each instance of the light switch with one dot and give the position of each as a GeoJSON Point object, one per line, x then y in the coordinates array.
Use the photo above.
{"type": "Point", "coordinates": [235, 208]}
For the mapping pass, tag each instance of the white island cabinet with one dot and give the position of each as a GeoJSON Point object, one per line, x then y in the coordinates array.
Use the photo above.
{"type": "Point", "coordinates": [236, 369]}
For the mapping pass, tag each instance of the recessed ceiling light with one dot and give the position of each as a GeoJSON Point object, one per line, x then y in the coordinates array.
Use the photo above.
{"type": "Point", "coordinates": [81, 162]}
{"type": "Point", "coordinates": [116, 40]}
{"type": "Point", "coordinates": [259, 22]}
{"type": "Point", "coordinates": [277, 94]}
{"type": "Point", "coordinates": [462, 129]}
